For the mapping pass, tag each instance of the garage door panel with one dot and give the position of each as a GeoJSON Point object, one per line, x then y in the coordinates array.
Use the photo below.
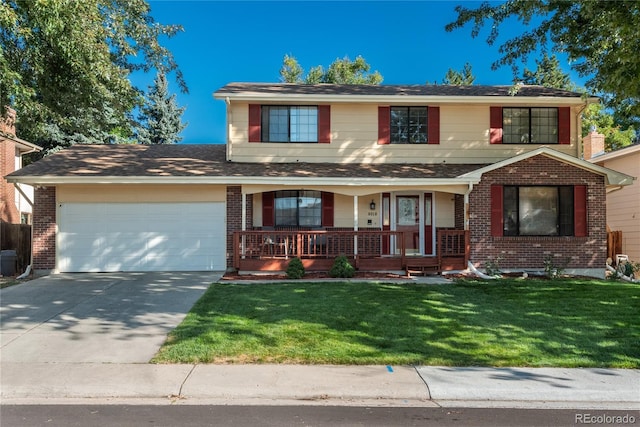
{"type": "Point", "coordinates": [141, 237]}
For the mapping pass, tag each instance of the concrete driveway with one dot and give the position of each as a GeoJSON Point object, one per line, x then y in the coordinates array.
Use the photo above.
{"type": "Point", "coordinates": [99, 318]}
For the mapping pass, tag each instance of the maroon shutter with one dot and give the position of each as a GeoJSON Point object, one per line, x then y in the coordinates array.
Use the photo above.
{"type": "Point", "coordinates": [564, 125]}
{"type": "Point", "coordinates": [254, 123]}
{"type": "Point", "coordinates": [327, 209]}
{"type": "Point", "coordinates": [495, 125]}
{"type": "Point", "coordinates": [433, 118]}
{"type": "Point", "coordinates": [324, 124]}
{"type": "Point", "coordinates": [384, 125]}
{"type": "Point", "coordinates": [496, 210]}
{"type": "Point", "coordinates": [268, 209]}
{"type": "Point", "coordinates": [580, 210]}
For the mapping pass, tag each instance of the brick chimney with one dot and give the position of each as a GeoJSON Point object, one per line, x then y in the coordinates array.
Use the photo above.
{"type": "Point", "coordinates": [592, 145]}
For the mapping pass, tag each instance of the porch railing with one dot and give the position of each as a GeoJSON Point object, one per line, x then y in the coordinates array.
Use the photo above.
{"type": "Point", "coordinates": [269, 249]}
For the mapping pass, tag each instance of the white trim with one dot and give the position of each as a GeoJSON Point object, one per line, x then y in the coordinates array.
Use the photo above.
{"type": "Point", "coordinates": [612, 177]}
{"type": "Point", "coordinates": [627, 151]}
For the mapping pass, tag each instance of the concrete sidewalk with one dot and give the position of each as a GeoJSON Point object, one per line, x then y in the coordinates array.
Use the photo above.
{"type": "Point", "coordinates": [320, 385]}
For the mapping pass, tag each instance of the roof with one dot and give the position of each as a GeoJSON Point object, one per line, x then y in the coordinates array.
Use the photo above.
{"type": "Point", "coordinates": [206, 163]}
{"type": "Point", "coordinates": [622, 152]}
{"type": "Point", "coordinates": [612, 177]}
{"type": "Point", "coordinates": [25, 147]}
{"type": "Point", "coordinates": [376, 93]}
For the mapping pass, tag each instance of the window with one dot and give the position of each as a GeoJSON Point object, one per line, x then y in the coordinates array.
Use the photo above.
{"type": "Point", "coordinates": [538, 211]}
{"type": "Point", "coordinates": [289, 123]}
{"type": "Point", "coordinates": [530, 125]}
{"type": "Point", "coordinates": [409, 125]}
{"type": "Point", "coordinates": [299, 208]}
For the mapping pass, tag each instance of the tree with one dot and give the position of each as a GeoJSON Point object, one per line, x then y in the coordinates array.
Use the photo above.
{"type": "Point", "coordinates": [161, 119]}
{"type": "Point", "coordinates": [65, 66]}
{"type": "Point", "coordinates": [548, 74]}
{"type": "Point", "coordinates": [341, 71]}
{"type": "Point", "coordinates": [459, 78]}
{"type": "Point", "coordinates": [595, 117]}
{"type": "Point", "coordinates": [600, 38]}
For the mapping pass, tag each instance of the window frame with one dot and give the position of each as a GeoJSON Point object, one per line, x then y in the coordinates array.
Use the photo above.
{"type": "Point", "coordinates": [565, 221]}
{"type": "Point", "coordinates": [265, 123]}
{"type": "Point", "coordinates": [408, 125]}
{"type": "Point", "coordinates": [298, 195]}
{"type": "Point", "coordinates": [505, 126]}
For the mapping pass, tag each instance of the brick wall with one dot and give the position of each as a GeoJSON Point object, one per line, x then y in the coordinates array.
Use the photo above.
{"type": "Point", "coordinates": [44, 228]}
{"type": "Point", "coordinates": [529, 252]}
{"type": "Point", "coordinates": [234, 217]}
{"type": "Point", "coordinates": [8, 209]}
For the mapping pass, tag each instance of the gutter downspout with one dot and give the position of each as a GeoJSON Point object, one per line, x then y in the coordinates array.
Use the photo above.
{"type": "Point", "coordinates": [579, 128]}
{"type": "Point", "coordinates": [227, 101]}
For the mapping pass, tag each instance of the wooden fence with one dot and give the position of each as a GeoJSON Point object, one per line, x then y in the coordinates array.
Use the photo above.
{"type": "Point", "coordinates": [17, 237]}
{"type": "Point", "coordinates": [614, 244]}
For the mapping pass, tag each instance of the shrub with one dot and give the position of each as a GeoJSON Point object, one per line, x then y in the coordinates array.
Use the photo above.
{"type": "Point", "coordinates": [295, 269]}
{"type": "Point", "coordinates": [552, 269]}
{"type": "Point", "coordinates": [342, 268]}
{"type": "Point", "coordinates": [492, 267]}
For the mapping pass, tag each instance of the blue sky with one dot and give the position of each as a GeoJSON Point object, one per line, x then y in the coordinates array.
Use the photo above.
{"type": "Point", "coordinates": [243, 41]}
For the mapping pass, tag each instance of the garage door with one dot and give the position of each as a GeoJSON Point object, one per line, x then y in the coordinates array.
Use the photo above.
{"type": "Point", "coordinates": [109, 237]}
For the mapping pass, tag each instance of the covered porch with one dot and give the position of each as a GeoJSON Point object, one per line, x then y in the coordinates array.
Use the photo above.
{"type": "Point", "coordinates": [368, 250]}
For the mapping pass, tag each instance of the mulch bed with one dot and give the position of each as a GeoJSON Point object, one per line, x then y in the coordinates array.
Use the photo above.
{"type": "Point", "coordinates": [311, 275]}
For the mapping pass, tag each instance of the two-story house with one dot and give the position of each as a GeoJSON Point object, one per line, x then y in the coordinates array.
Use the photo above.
{"type": "Point", "coordinates": [394, 177]}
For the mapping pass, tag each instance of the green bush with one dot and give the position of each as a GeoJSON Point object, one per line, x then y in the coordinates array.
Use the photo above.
{"type": "Point", "coordinates": [342, 268]}
{"type": "Point", "coordinates": [295, 269]}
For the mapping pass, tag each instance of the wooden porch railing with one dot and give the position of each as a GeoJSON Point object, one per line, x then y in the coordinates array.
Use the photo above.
{"type": "Point", "coordinates": [367, 249]}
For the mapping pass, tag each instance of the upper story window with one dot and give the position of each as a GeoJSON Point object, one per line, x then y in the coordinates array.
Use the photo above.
{"type": "Point", "coordinates": [289, 123]}
{"type": "Point", "coordinates": [534, 125]}
{"type": "Point", "coordinates": [409, 125]}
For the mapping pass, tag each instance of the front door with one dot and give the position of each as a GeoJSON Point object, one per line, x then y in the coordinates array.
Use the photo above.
{"type": "Point", "coordinates": [408, 222]}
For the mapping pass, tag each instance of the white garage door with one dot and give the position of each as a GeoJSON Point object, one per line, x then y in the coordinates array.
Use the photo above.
{"type": "Point", "coordinates": [111, 237]}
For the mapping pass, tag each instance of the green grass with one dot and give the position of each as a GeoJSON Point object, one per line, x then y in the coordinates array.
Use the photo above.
{"type": "Point", "coordinates": [513, 322]}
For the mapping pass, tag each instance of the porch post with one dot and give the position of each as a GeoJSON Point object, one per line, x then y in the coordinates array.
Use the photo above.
{"type": "Point", "coordinates": [355, 227]}
{"type": "Point", "coordinates": [243, 227]}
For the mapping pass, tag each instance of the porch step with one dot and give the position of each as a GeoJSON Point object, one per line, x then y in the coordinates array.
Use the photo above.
{"type": "Point", "coordinates": [422, 266]}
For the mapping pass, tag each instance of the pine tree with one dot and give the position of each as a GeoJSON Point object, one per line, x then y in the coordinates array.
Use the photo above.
{"type": "Point", "coordinates": [161, 118]}
{"type": "Point", "coordinates": [459, 78]}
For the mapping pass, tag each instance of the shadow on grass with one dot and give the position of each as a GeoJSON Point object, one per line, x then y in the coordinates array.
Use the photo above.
{"type": "Point", "coordinates": [510, 323]}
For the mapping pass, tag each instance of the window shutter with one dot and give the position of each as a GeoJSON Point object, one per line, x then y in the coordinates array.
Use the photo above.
{"type": "Point", "coordinates": [564, 125]}
{"type": "Point", "coordinates": [267, 209]}
{"type": "Point", "coordinates": [324, 124]}
{"type": "Point", "coordinates": [580, 210]}
{"type": "Point", "coordinates": [433, 118]}
{"type": "Point", "coordinates": [384, 125]}
{"type": "Point", "coordinates": [327, 209]}
{"type": "Point", "coordinates": [254, 123]}
{"type": "Point", "coordinates": [495, 125]}
{"type": "Point", "coordinates": [496, 210]}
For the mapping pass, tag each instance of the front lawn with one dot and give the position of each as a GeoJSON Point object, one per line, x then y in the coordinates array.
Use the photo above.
{"type": "Point", "coordinates": [512, 322]}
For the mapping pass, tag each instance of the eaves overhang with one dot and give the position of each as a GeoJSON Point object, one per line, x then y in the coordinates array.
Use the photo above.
{"type": "Point", "coordinates": [401, 99]}
{"type": "Point", "coordinates": [612, 177]}
{"type": "Point", "coordinates": [236, 180]}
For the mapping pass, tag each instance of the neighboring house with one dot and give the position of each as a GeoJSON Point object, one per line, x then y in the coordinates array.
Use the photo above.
{"type": "Point", "coordinates": [15, 199]}
{"type": "Point", "coordinates": [623, 203]}
{"type": "Point", "coordinates": [394, 177]}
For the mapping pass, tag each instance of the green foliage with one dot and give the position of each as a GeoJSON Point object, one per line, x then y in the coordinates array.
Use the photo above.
{"type": "Point", "coordinates": [548, 74]}
{"type": "Point", "coordinates": [595, 116]}
{"type": "Point", "coordinates": [492, 267]}
{"type": "Point", "coordinates": [161, 118]}
{"type": "Point", "coordinates": [600, 39]}
{"type": "Point", "coordinates": [65, 66]}
{"type": "Point", "coordinates": [295, 269]}
{"type": "Point", "coordinates": [341, 71]}
{"type": "Point", "coordinates": [342, 268]}
{"type": "Point", "coordinates": [552, 268]}
{"type": "Point", "coordinates": [464, 77]}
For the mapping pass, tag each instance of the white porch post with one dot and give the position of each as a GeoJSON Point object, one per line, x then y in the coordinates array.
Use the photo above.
{"type": "Point", "coordinates": [355, 225]}
{"type": "Point", "coordinates": [243, 227]}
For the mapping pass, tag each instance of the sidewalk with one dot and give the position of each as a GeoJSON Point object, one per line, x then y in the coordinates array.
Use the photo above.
{"type": "Point", "coordinates": [101, 383]}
